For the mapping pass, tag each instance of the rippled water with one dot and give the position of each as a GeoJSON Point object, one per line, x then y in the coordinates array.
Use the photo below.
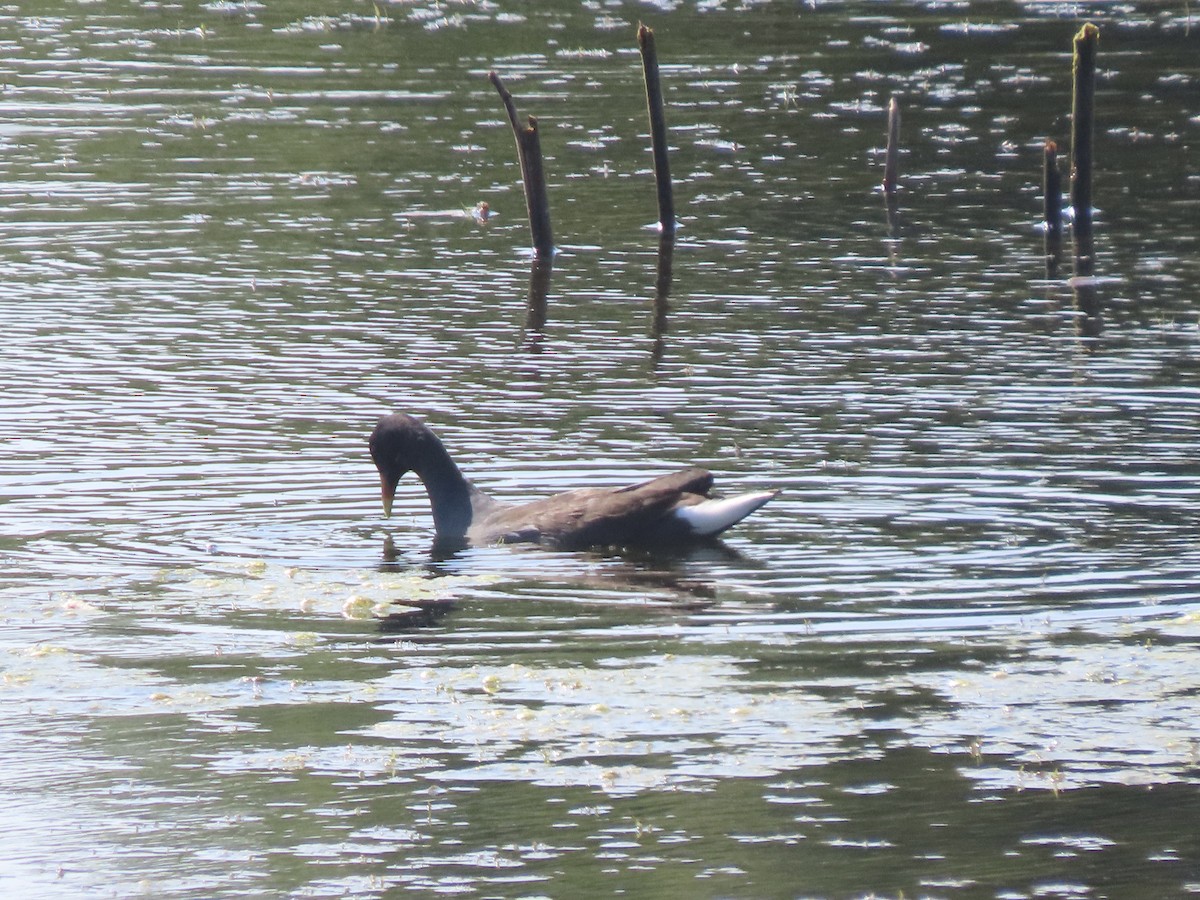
{"type": "Point", "coordinates": [956, 657]}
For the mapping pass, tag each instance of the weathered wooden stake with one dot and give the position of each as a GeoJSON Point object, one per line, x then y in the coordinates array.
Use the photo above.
{"type": "Point", "coordinates": [891, 165]}
{"type": "Point", "coordinates": [1052, 205]}
{"type": "Point", "coordinates": [1082, 126]}
{"type": "Point", "coordinates": [658, 129]}
{"type": "Point", "coordinates": [533, 176]}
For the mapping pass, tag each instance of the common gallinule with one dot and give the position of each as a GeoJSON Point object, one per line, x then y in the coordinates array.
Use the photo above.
{"type": "Point", "coordinates": [668, 509]}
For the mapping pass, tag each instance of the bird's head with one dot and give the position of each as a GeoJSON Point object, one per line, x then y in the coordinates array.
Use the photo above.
{"type": "Point", "coordinates": [398, 444]}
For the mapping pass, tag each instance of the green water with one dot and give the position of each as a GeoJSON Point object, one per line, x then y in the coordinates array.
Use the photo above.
{"type": "Point", "coordinates": [954, 658]}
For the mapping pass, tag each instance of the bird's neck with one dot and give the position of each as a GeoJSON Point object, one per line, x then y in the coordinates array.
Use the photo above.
{"type": "Point", "coordinates": [450, 496]}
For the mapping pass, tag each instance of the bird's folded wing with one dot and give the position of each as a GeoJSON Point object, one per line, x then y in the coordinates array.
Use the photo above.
{"type": "Point", "coordinates": [688, 481]}
{"type": "Point", "coordinates": [595, 516]}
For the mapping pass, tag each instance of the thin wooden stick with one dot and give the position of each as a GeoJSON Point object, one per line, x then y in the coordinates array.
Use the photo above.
{"type": "Point", "coordinates": [658, 129]}
{"type": "Point", "coordinates": [533, 176]}
{"type": "Point", "coordinates": [891, 165]}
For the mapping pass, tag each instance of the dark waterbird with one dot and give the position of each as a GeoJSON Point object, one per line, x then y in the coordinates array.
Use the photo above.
{"type": "Point", "coordinates": [670, 509]}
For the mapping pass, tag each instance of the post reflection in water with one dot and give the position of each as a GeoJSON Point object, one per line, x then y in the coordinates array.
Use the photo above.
{"type": "Point", "coordinates": [534, 333]}
{"type": "Point", "coordinates": [662, 294]}
{"type": "Point", "coordinates": [1090, 322]}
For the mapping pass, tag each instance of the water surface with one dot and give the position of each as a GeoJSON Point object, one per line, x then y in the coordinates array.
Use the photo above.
{"type": "Point", "coordinates": [956, 657]}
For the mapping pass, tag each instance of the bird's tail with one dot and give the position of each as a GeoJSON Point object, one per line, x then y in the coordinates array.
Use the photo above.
{"type": "Point", "coordinates": [711, 517]}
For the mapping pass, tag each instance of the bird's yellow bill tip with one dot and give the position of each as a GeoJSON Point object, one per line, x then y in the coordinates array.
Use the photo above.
{"type": "Point", "coordinates": [388, 493]}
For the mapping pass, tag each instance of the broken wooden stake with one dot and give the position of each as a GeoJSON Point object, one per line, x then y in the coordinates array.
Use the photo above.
{"type": "Point", "coordinates": [533, 176]}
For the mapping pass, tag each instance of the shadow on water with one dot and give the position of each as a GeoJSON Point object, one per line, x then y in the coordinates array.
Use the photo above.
{"type": "Point", "coordinates": [533, 334]}
{"type": "Point", "coordinates": [665, 577]}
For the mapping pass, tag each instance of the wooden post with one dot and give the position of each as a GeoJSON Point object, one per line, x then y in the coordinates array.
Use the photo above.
{"type": "Point", "coordinates": [658, 129]}
{"type": "Point", "coordinates": [1082, 126]}
{"type": "Point", "coordinates": [529, 153]}
{"type": "Point", "coordinates": [891, 165]}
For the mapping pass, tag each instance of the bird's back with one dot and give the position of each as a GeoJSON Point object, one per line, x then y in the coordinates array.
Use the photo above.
{"type": "Point", "coordinates": [639, 513]}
